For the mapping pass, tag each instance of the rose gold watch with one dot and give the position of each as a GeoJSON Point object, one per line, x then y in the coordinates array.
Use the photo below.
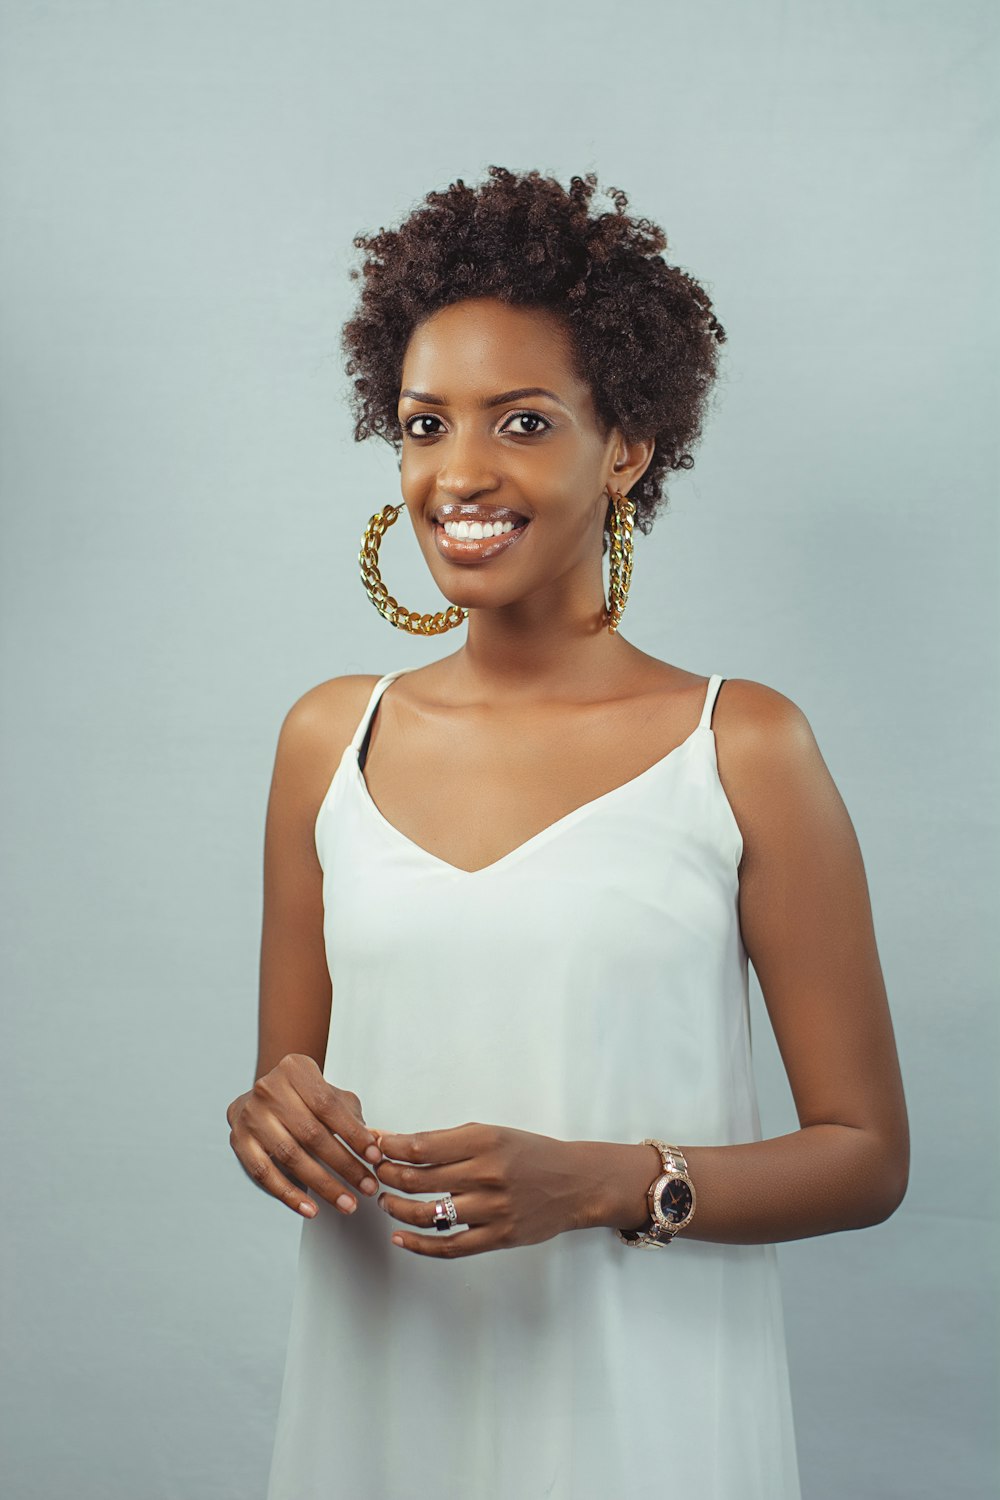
{"type": "Point", "coordinates": [670, 1199]}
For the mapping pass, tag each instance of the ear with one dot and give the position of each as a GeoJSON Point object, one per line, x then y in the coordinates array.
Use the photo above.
{"type": "Point", "coordinates": [629, 462]}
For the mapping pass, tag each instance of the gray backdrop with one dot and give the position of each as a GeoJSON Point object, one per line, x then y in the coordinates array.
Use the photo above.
{"type": "Point", "coordinates": [182, 510]}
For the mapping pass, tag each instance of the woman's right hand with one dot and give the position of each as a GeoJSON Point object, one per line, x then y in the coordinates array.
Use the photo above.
{"type": "Point", "coordinates": [294, 1115]}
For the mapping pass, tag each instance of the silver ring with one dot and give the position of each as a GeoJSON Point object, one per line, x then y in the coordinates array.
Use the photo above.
{"type": "Point", "coordinates": [445, 1212]}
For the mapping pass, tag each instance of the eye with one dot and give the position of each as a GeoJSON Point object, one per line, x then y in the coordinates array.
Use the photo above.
{"type": "Point", "coordinates": [528, 416]}
{"type": "Point", "coordinates": [423, 417]}
{"type": "Point", "coordinates": [517, 416]}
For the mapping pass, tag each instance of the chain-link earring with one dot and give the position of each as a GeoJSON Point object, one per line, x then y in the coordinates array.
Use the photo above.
{"type": "Point", "coordinates": [403, 619]}
{"type": "Point", "coordinates": [620, 559]}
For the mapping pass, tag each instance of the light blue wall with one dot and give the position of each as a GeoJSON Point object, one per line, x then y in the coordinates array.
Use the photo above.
{"type": "Point", "coordinates": [182, 510]}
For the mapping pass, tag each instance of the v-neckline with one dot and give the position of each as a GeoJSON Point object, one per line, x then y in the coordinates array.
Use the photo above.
{"type": "Point", "coordinates": [352, 755]}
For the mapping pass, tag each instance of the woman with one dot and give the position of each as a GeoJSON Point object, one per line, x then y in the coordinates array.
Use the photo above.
{"type": "Point", "coordinates": [531, 874]}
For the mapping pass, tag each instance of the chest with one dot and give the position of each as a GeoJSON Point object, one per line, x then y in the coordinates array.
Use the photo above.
{"type": "Point", "coordinates": [470, 788]}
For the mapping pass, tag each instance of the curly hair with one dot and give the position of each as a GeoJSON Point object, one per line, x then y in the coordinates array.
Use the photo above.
{"type": "Point", "coordinates": [643, 334]}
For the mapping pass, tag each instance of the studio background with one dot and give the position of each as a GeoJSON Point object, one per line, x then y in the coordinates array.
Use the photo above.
{"type": "Point", "coordinates": [183, 506]}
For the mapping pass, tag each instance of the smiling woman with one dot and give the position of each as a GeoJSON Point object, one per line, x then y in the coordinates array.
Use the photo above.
{"type": "Point", "coordinates": [510, 900]}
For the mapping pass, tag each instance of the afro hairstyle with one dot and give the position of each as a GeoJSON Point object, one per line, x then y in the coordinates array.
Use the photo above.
{"type": "Point", "coordinates": [643, 333]}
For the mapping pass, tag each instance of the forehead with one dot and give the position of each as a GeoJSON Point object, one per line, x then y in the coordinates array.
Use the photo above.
{"type": "Point", "coordinates": [486, 341]}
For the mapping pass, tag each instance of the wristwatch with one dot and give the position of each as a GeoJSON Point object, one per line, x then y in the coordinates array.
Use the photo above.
{"type": "Point", "coordinates": [670, 1199]}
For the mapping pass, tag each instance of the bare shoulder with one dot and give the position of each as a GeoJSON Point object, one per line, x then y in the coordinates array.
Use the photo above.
{"type": "Point", "coordinates": [335, 704]}
{"type": "Point", "coordinates": [315, 732]}
{"type": "Point", "coordinates": [770, 764]}
{"type": "Point", "coordinates": [752, 717]}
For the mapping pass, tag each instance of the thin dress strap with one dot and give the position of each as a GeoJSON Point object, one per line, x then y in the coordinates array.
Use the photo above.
{"type": "Point", "coordinates": [712, 692]}
{"type": "Point", "coordinates": [359, 742]}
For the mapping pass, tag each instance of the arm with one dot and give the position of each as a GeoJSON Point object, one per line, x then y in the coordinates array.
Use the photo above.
{"type": "Point", "coordinates": [807, 925]}
{"type": "Point", "coordinates": [295, 988]}
{"type": "Point", "coordinates": [297, 1136]}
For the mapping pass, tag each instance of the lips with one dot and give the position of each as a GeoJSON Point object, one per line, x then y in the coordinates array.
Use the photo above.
{"type": "Point", "coordinates": [478, 550]}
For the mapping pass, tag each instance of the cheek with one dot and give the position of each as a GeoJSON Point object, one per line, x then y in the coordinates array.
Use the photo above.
{"type": "Point", "coordinates": [414, 461]}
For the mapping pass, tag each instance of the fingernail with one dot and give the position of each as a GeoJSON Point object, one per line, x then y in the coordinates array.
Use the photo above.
{"type": "Point", "coordinates": [347, 1204]}
{"type": "Point", "coordinates": [373, 1153]}
{"type": "Point", "coordinates": [309, 1209]}
{"type": "Point", "coordinates": [369, 1185]}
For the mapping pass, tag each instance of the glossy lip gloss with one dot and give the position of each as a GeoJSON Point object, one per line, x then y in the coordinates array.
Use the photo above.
{"type": "Point", "coordinates": [475, 549]}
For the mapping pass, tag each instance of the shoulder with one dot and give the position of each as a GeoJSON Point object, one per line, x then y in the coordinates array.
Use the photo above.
{"type": "Point", "coordinates": [316, 731]}
{"type": "Point", "coordinates": [770, 764]}
{"type": "Point", "coordinates": [329, 706]}
{"type": "Point", "coordinates": [757, 720]}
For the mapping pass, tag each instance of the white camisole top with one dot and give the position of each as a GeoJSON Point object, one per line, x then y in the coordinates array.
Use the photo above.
{"type": "Point", "coordinates": [589, 985]}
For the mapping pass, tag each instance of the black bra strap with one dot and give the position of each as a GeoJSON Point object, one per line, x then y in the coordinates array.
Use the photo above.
{"type": "Point", "coordinates": [717, 692]}
{"type": "Point", "coordinates": [363, 751]}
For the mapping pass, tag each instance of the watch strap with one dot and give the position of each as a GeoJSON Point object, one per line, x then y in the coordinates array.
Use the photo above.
{"type": "Point", "coordinates": [655, 1236]}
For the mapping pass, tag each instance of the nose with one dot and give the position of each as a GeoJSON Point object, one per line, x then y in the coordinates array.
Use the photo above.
{"type": "Point", "coordinates": [464, 469]}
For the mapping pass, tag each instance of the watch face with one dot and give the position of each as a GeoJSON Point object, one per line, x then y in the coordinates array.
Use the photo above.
{"type": "Point", "coordinates": [672, 1201]}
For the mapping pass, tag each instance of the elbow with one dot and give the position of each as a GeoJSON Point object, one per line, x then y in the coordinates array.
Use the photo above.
{"type": "Point", "coordinates": [880, 1170]}
{"type": "Point", "coordinates": [889, 1204]}
{"type": "Point", "coordinates": [895, 1179]}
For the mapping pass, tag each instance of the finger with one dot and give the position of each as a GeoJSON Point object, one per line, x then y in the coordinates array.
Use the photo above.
{"type": "Point", "coordinates": [304, 1145]}
{"type": "Point", "coordinates": [336, 1108]}
{"type": "Point", "coordinates": [285, 1121]}
{"type": "Point", "coordinates": [456, 1144]}
{"type": "Point", "coordinates": [283, 1154]}
{"type": "Point", "coordinates": [420, 1212]}
{"type": "Point", "coordinates": [262, 1171]}
{"type": "Point", "coordinates": [430, 1177]}
{"type": "Point", "coordinates": [292, 1157]}
{"type": "Point", "coordinates": [448, 1246]}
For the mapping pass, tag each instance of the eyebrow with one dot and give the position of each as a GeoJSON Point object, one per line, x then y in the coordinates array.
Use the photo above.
{"type": "Point", "coordinates": [488, 401]}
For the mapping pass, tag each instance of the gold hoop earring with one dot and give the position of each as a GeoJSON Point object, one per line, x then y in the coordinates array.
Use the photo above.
{"type": "Point", "coordinates": [403, 619]}
{"type": "Point", "coordinates": [620, 560]}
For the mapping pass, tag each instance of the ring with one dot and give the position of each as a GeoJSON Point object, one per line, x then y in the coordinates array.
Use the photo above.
{"type": "Point", "coordinates": [445, 1212]}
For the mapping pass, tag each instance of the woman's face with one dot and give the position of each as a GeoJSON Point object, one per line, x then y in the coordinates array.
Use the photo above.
{"type": "Point", "coordinates": [536, 456]}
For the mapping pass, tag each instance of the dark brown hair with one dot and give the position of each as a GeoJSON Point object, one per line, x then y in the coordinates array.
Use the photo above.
{"type": "Point", "coordinates": [643, 332]}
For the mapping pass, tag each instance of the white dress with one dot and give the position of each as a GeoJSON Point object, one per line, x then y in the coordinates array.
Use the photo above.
{"type": "Point", "coordinates": [589, 985]}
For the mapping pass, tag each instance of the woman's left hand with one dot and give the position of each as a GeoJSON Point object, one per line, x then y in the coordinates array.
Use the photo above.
{"type": "Point", "coordinates": [511, 1187]}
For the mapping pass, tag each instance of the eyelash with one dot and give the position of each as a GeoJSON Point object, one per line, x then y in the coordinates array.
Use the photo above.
{"type": "Point", "coordinates": [427, 416]}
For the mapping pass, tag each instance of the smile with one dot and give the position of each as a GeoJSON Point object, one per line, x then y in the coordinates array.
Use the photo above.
{"type": "Point", "coordinates": [471, 547]}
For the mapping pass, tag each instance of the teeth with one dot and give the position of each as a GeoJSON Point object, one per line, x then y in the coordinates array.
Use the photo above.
{"type": "Point", "coordinates": [477, 529]}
